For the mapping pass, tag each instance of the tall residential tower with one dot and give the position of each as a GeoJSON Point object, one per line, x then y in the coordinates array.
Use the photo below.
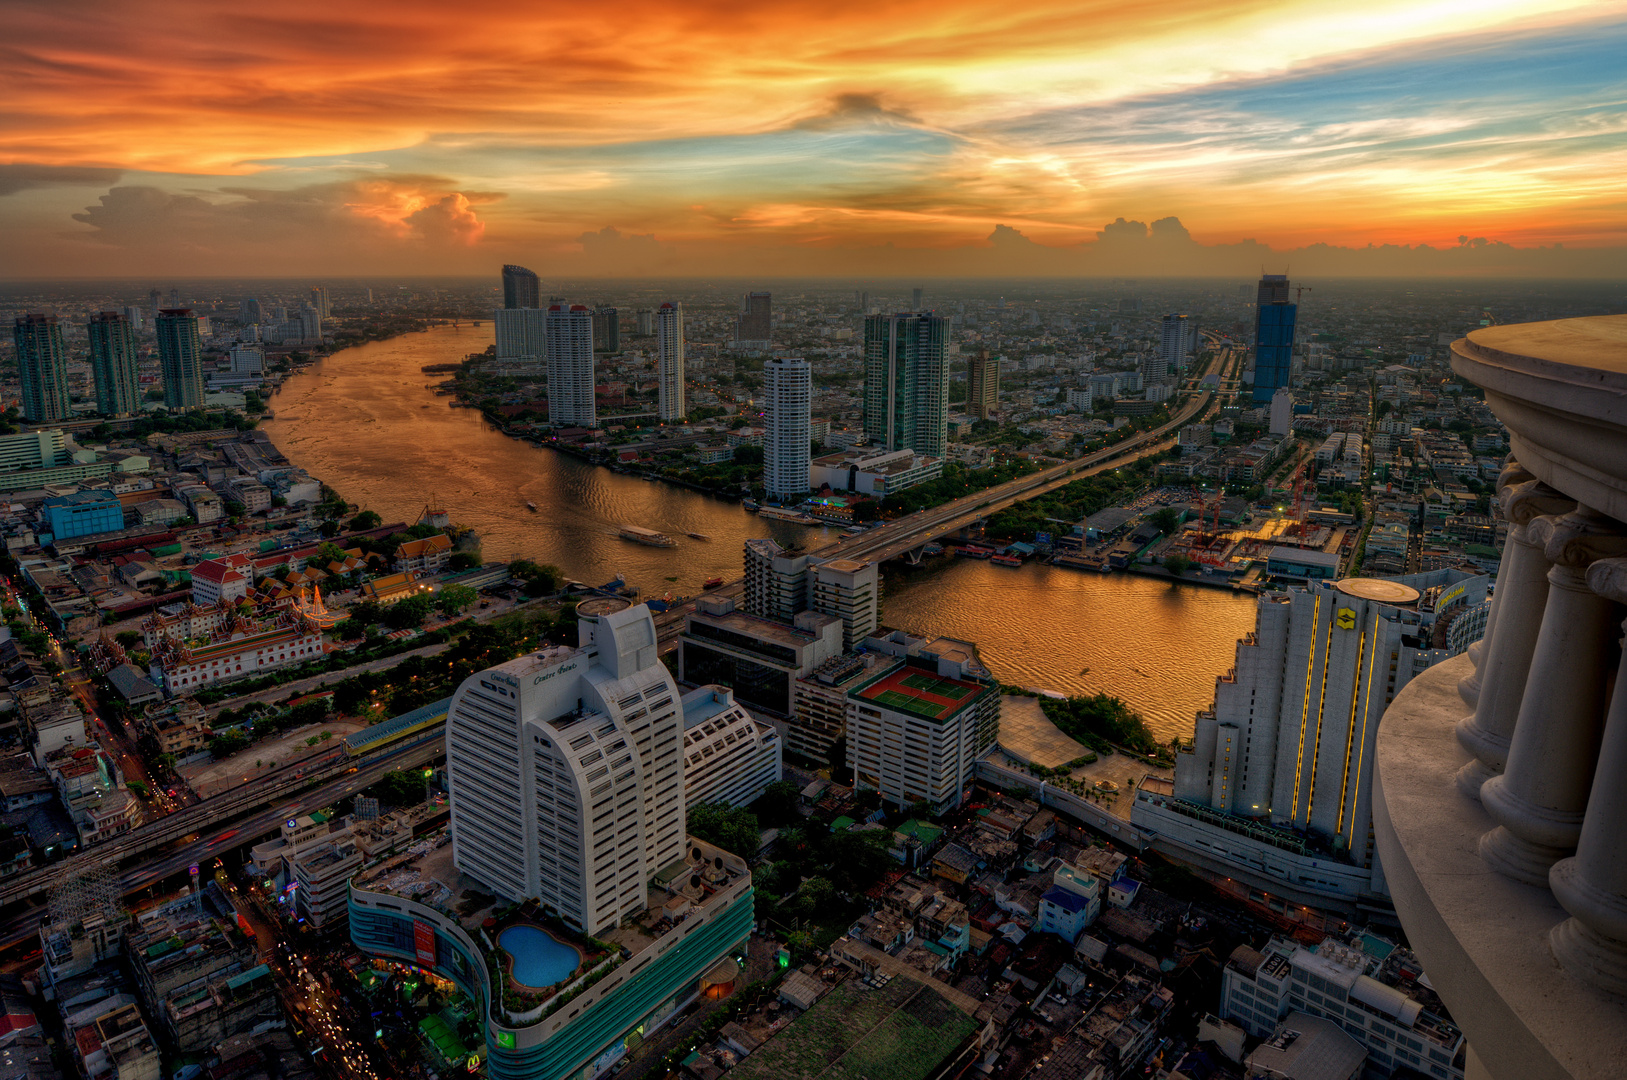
{"type": "Point", "coordinates": [787, 446]}
{"type": "Point", "coordinates": [754, 328]}
{"type": "Point", "coordinates": [42, 368]}
{"type": "Point", "coordinates": [982, 384]}
{"type": "Point", "coordinates": [669, 360]}
{"type": "Point", "coordinates": [570, 366]}
{"type": "Point", "coordinates": [180, 357]}
{"type": "Point", "coordinates": [906, 382]}
{"type": "Point", "coordinates": [113, 364]}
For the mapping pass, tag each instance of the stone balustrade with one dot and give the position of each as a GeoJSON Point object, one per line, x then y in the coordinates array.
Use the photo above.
{"type": "Point", "coordinates": [1536, 817]}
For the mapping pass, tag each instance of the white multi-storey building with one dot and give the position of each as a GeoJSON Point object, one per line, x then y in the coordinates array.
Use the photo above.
{"type": "Point", "coordinates": [669, 361]}
{"type": "Point", "coordinates": [1275, 788]}
{"type": "Point", "coordinates": [776, 584]}
{"type": "Point", "coordinates": [569, 348]}
{"type": "Point", "coordinates": [787, 446]}
{"type": "Point", "coordinates": [850, 590]}
{"type": "Point", "coordinates": [521, 334]}
{"type": "Point", "coordinates": [925, 751]}
{"type": "Point", "coordinates": [1282, 412]}
{"type": "Point", "coordinates": [729, 757]}
{"type": "Point", "coordinates": [1178, 339]}
{"type": "Point", "coordinates": [1378, 997]}
{"type": "Point", "coordinates": [566, 770]}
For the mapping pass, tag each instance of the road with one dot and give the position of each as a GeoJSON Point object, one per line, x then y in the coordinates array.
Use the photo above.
{"type": "Point", "coordinates": [894, 538]}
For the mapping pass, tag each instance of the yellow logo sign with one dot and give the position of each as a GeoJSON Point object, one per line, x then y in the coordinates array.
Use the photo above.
{"type": "Point", "coordinates": [1345, 619]}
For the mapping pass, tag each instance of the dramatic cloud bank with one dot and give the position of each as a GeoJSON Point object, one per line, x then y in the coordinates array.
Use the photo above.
{"type": "Point", "coordinates": [966, 138]}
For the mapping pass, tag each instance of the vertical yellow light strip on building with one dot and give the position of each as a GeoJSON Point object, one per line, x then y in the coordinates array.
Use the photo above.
{"type": "Point", "coordinates": [1361, 754]}
{"type": "Point", "coordinates": [1305, 709]}
{"type": "Point", "coordinates": [1350, 734]}
{"type": "Point", "coordinates": [1321, 711]}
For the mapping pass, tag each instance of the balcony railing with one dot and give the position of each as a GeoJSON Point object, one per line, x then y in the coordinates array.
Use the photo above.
{"type": "Point", "coordinates": [1500, 795]}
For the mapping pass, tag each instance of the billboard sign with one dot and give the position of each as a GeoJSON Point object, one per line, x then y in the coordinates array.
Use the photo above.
{"type": "Point", "coordinates": [423, 942]}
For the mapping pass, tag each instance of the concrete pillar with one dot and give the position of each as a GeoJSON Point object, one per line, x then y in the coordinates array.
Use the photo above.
{"type": "Point", "coordinates": [1513, 474]}
{"type": "Point", "coordinates": [1592, 885]}
{"type": "Point", "coordinates": [1539, 800]}
{"type": "Point", "coordinates": [1522, 594]}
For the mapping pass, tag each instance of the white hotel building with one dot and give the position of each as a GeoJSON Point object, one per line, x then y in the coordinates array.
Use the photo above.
{"type": "Point", "coordinates": [566, 774]}
{"type": "Point", "coordinates": [729, 756]}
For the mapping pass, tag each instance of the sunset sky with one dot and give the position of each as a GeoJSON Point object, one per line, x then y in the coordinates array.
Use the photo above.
{"type": "Point", "coordinates": [842, 138]}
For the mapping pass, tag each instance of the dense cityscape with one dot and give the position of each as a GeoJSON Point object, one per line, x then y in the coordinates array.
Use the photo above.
{"type": "Point", "coordinates": [254, 827]}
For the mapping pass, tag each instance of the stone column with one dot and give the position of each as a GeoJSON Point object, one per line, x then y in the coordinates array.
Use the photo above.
{"type": "Point", "coordinates": [1513, 474]}
{"type": "Point", "coordinates": [1522, 593]}
{"type": "Point", "coordinates": [1539, 800]}
{"type": "Point", "coordinates": [1592, 885]}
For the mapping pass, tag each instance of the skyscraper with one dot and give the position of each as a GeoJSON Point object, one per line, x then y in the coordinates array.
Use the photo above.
{"type": "Point", "coordinates": [756, 322]}
{"type": "Point", "coordinates": [180, 358]}
{"type": "Point", "coordinates": [113, 364]}
{"type": "Point", "coordinates": [906, 382]}
{"type": "Point", "coordinates": [982, 384]}
{"type": "Point", "coordinates": [248, 311]}
{"type": "Point", "coordinates": [787, 444]}
{"type": "Point", "coordinates": [669, 360]}
{"type": "Point", "coordinates": [1288, 747]}
{"type": "Point", "coordinates": [567, 770]}
{"type": "Point", "coordinates": [915, 300]}
{"type": "Point", "coordinates": [607, 329]}
{"type": "Point", "coordinates": [1274, 316]}
{"type": "Point", "coordinates": [521, 289]}
{"type": "Point", "coordinates": [570, 366]}
{"type": "Point", "coordinates": [42, 368]}
{"type": "Point", "coordinates": [319, 300]}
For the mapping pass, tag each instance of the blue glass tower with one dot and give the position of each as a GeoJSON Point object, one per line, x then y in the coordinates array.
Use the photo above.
{"type": "Point", "coordinates": [1273, 336]}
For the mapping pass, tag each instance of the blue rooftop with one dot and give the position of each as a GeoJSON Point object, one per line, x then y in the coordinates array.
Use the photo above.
{"type": "Point", "coordinates": [1065, 898]}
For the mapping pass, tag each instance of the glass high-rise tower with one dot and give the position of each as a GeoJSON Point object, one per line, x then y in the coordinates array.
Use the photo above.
{"type": "Point", "coordinates": [180, 357]}
{"type": "Point", "coordinates": [113, 364]}
{"type": "Point", "coordinates": [42, 368]}
{"type": "Point", "coordinates": [1274, 316]}
{"type": "Point", "coordinates": [906, 382]}
{"type": "Point", "coordinates": [669, 361]}
{"type": "Point", "coordinates": [521, 289]}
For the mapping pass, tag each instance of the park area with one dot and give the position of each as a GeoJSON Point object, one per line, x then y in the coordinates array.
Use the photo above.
{"type": "Point", "coordinates": [903, 1030]}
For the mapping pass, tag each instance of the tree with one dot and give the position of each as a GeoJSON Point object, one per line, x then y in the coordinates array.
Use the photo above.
{"type": "Point", "coordinates": [815, 896]}
{"type": "Point", "coordinates": [1177, 563]}
{"type": "Point", "coordinates": [408, 614]}
{"type": "Point", "coordinates": [364, 521]}
{"type": "Point", "coordinates": [403, 787]}
{"type": "Point", "coordinates": [732, 828]}
{"type": "Point", "coordinates": [540, 579]}
{"type": "Point", "coordinates": [777, 805]}
{"type": "Point", "coordinates": [455, 599]}
{"type": "Point", "coordinates": [227, 744]}
{"type": "Point", "coordinates": [463, 560]}
{"type": "Point", "coordinates": [308, 712]}
{"type": "Point", "coordinates": [1167, 519]}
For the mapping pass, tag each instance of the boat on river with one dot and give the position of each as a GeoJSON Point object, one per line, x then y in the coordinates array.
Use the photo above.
{"type": "Point", "coordinates": [531, 506]}
{"type": "Point", "coordinates": [698, 536]}
{"type": "Point", "coordinates": [782, 513]}
{"type": "Point", "coordinates": [750, 504]}
{"type": "Point", "coordinates": [648, 537]}
{"type": "Point", "coordinates": [712, 583]}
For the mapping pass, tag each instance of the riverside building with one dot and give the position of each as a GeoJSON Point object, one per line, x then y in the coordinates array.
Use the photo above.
{"type": "Point", "coordinates": [669, 361]}
{"type": "Point", "coordinates": [787, 443]}
{"type": "Point", "coordinates": [916, 727]}
{"type": "Point", "coordinates": [567, 793]}
{"type": "Point", "coordinates": [569, 348]}
{"type": "Point", "coordinates": [1275, 788]}
{"type": "Point", "coordinates": [521, 288]}
{"type": "Point", "coordinates": [729, 756]}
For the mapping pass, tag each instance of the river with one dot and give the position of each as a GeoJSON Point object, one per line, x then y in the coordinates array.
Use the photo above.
{"type": "Point", "coordinates": [365, 422]}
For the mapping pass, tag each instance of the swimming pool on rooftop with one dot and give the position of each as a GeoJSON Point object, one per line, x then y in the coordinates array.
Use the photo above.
{"type": "Point", "coordinates": [538, 959]}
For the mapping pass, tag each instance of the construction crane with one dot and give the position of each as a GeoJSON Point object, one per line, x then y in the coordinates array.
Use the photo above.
{"type": "Point", "coordinates": [1301, 289]}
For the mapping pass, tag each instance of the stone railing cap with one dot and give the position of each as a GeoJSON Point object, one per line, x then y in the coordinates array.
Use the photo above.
{"type": "Point", "coordinates": [1598, 342]}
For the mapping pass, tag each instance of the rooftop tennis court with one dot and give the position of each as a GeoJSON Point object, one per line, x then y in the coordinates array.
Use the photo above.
{"type": "Point", "coordinates": [911, 690]}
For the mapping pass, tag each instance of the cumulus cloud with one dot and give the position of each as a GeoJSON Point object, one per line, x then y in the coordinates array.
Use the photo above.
{"type": "Point", "coordinates": [420, 211]}
{"type": "Point", "coordinates": [610, 251]}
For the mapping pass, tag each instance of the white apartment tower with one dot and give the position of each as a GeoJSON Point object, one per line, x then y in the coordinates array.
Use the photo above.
{"type": "Point", "coordinates": [787, 444]}
{"type": "Point", "coordinates": [776, 582]}
{"type": "Point", "coordinates": [569, 350]}
{"type": "Point", "coordinates": [669, 361]}
{"type": "Point", "coordinates": [1282, 411]}
{"type": "Point", "coordinates": [1178, 340]}
{"type": "Point", "coordinates": [566, 770]}
{"type": "Point", "coordinates": [521, 334]}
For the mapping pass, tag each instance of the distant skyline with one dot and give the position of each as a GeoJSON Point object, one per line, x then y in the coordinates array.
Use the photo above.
{"type": "Point", "coordinates": [1169, 138]}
